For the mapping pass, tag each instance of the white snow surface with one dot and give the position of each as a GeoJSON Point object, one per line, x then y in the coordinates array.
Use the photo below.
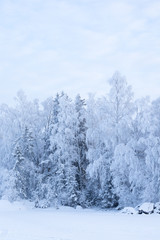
{"type": "Point", "coordinates": [20, 221]}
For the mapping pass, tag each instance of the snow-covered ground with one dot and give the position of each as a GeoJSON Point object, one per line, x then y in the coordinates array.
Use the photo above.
{"type": "Point", "coordinates": [22, 222]}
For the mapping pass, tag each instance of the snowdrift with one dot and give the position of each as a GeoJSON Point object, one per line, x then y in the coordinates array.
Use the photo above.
{"type": "Point", "coordinates": [145, 208]}
{"type": "Point", "coordinates": [6, 206]}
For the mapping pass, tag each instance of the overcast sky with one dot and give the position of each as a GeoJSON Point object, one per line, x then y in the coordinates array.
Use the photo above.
{"type": "Point", "coordinates": [47, 46]}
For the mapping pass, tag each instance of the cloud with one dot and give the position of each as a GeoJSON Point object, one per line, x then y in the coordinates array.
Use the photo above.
{"type": "Point", "coordinates": [152, 10]}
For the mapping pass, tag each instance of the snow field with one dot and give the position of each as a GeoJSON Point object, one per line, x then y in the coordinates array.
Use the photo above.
{"type": "Point", "coordinates": [22, 222]}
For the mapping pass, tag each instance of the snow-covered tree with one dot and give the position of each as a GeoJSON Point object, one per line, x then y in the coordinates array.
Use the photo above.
{"type": "Point", "coordinates": [25, 166]}
{"type": "Point", "coordinates": [81, 148]}
{"type": "Point", "coordinates": [152, 180]}
{"type": "Point", "coordinates": [100, 189]}
{"type": "Point", "coordinates": [100, 152]}
{"type": "Point", "coordinates": [121, 109]}
{"type": "Point", "coordinates": [48, 167]}
{"type": "Point", "coordinates": [64, 154]}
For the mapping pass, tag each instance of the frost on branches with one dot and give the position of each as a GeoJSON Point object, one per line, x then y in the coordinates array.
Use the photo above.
{"type": "Point", "coordinates": [101, 152]}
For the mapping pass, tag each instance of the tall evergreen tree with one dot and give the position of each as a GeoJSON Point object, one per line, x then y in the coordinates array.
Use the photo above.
{"type": "Point", "coordinates": [25, 166]}
{"type": "Point", "coordinates": [81, 148]}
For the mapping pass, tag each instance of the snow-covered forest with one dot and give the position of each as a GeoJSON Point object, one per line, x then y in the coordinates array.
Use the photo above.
{"type": "Point", "coordinates": [102, 152]}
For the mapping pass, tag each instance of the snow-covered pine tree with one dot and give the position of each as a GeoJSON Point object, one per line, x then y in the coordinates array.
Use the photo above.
{"type": "Point", "coordinates": [25, 166]}
{"type": "Point", "coordinates": [63, 143]}
{"type": "Point", "coordinates": [81, 148]}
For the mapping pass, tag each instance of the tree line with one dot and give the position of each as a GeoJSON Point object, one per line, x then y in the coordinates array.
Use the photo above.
{"type": "Point", "coordinates": [101, 152]}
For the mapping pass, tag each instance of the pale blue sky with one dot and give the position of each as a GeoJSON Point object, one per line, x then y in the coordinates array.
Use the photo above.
{"type": "Point", "coordinates": [76, 45]}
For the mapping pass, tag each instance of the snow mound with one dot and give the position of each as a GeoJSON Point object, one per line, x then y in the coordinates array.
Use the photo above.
{"type": "Point", "coordinates": [79, 207]}
{"type": "Point", "coordinates": [146, 208]}
{"type": "Point", "coordinates": [7, 206]}
{"type": "Point", "coordinates": [129, 210]}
